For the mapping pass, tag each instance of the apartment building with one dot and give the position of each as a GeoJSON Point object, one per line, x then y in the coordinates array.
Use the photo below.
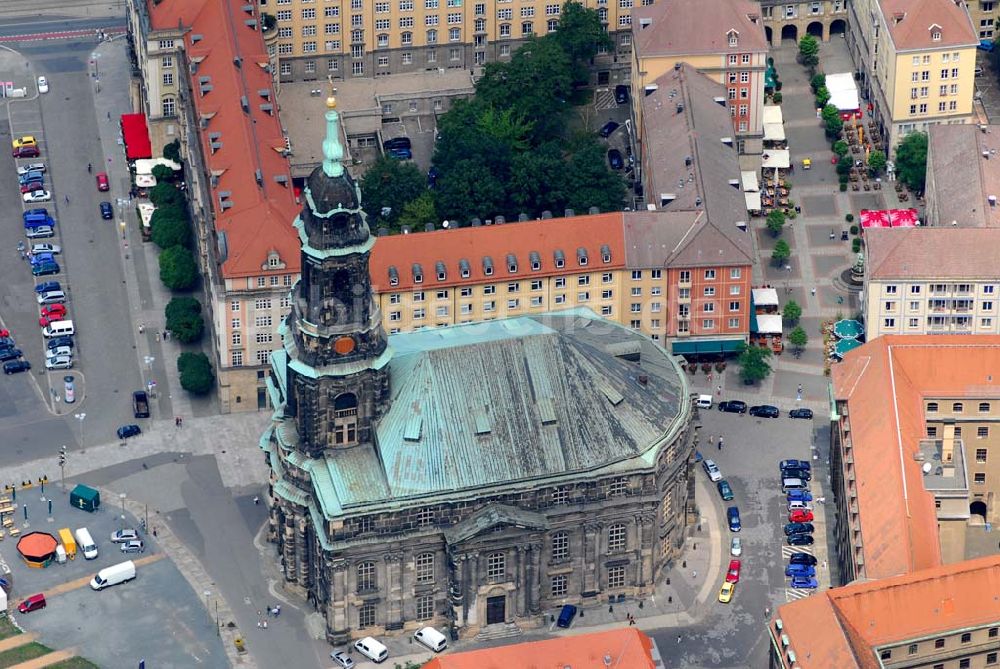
{"type": "Point", "coordinates": [932, 280]}
{"type": "Point", "coordinates": [945, 617]}
{"type": "Point", "coordinates": [669, 275]}
{"type": "Point", "coordinates": [784, 20]}
{"type": "Point", "coordinates": [916, 62]}
{"type": "Point", "coordinates": [984, 14]}
{"type": "Point", "coordinates": [914, 454]}
{"type": "Point", "coordinates": [239, 181]}
{"type": "Point", "coordinates": [722, 39]}
{"type": "Point", "coordinates": [371, 38]}
{"type": "Point", "coordinates": [963, 176]}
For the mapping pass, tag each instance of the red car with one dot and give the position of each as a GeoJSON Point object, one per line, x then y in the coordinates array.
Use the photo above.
{"type": "Point", "coordinates": [733, 575]}
{"type": "Point", "coordinates": [102, 182]}
{"type": "Point", "coordinates": [32, 603]}
{"type": "Point", "coordinates": [26, 152]}
{"type": "Point", "coordinates": [53, 312]}
{"type": "Point", "coordinates": [800, 516]}
{"type": "Point", "coordinates": [32, 186]}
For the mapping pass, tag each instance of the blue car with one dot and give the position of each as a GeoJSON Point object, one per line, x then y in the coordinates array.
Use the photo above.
{"type": "Point", "coordinates": [126, 431]}
{"type": "Point", "coordinates": [799, 496]}
{"type": "Point", "coordinates": [400, 154]}
{"type": "Point", "coordinates": [45, 268]}
{"type": "Point", "coordinates": [803, 570]}
{"type": "Point", "coordinates": [41, 258]}
{"type": "Point", "coordinates": [804, 582]}
{"type": "Point", "coordinates": [986, 45]}
{"type": "Point", "coordinates": [733, 513]}
{"type": "Point", "coordinates": [566, 616]}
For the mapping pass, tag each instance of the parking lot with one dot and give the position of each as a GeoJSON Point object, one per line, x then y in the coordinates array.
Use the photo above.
{"type": "Point", "coordinates": [147, 618]}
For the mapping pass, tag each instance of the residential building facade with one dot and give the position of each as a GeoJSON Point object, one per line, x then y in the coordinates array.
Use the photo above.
{"type": "Point", "coordinates": [916, 64]}
{"type": "Point", "coordinates": [785, 20]}
{"type": "Point", "coordinates": [371, 38]}
{"type": "Point", "coordinates": [722, 39]}
{"type": "Point", "coordinates": [406, 492]}
{"type": "Point", "coordinates": [931, 280]}
{"type": "Point", "coordinates": [984, 14]}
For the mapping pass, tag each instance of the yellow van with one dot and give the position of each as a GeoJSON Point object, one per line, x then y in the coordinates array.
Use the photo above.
{"type": "Point", "coordinates": [68, 542]}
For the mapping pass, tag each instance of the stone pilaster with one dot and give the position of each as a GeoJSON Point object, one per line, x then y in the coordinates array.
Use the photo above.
{"type": "Point", "coordinates": [393, 590]}
{"type": "Point", "coordinates": [534, 578]}
{"type": "Point", "coordinates": [520, 579]}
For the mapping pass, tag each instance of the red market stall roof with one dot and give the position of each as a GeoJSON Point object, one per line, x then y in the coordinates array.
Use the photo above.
{"type": "Point", "coordinates": [875, 218]}
{"type": "Point", "coordinates": [903, 218]}
{"type": "Point", "coordinates": [889, 218]}
{"type": "Point", "coordinates": [136, 136]}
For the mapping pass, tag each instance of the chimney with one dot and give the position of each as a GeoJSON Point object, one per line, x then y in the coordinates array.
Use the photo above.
{"type": "Point", "coordinates": [948, 448]}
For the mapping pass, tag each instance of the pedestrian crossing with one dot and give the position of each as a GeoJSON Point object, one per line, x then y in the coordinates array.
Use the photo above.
{"type": "Point", "coordinates": [786, 551]}
{"type": "Point", "coordinates": [792, 594]}
{"type": "Point", "coordinates": [605, 100]}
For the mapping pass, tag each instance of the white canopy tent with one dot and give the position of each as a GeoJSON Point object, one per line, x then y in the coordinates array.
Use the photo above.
{"type": "Point", "coordinates": [146, 165]}
{"type": "Point", "coordinates": [765, 297]}
{"type": "Point", "coordinates": [774, 132]}
{"type": "Point", "coordinates": [775, 159]}
{"type": "Point", "coordinates": [753, 201]}
{"type": "Point", "coordinates": [749, 180]}
{"type": "Point", "coordinates": [769, 324]}
{"type": "Point", "coordinates": [843, 91]}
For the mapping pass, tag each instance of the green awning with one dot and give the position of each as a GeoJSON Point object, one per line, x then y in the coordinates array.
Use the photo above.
{"type": "Point", "coordinates": [681, 347]}
{"type": "Point", "coordinates": [707, 346]}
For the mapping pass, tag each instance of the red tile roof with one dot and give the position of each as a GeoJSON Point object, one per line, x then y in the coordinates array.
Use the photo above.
{"type": "Point", "coordinates": [253, 216]}
{"type": "Point", "coordinates": [628, 648]}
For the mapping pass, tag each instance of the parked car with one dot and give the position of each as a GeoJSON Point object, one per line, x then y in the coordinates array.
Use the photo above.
{"type": "Point", "coordinates": [796, 504]}
{"type": "Point", "coordinates": [123, 535]}
{"type": "Point", "coordinates": [726, 592]}
{"type": "Point", "coordinates": [733, 406]}
{"type": "Point", "coordinates": [800, 570]}
{"type": "Point", "coordinates": [30, 167]}
{"type": "Point", "coordinates": [52, 312]}
{"type": "Point", "coordinates": [133, 546]}
{"type": "Point", "coordinates": [799, 540]}
{"type": "Point", "coordinates": [733, 575]}
{"type": "Point", "coordinates": [804, 582]}
{"type": "Point", "coordinates": [37, 196]}
{"type": "Point", "coordinates": [30, 175]}
{"type": "Point", "coordinates": [794, 464]}
{"type": "Point", "coordinates": [802, 558]}
{"type": "Point", "coordinates": [764, 411]}
{"type": "Point", "coordinates": [33, 603]}
{"type": "Point", "coordinates": [401, 154]}
{"type": "Point", "coordinates": [50, 296]}
{"type": "Point", "coordinates": [803, 474]}
{"type": "Point", "coordinates": [615, 159]}
{"type": "Point", "coordinates": [39, 232]}
{"type": "Point", "coordinates": [43, 85]}
{"type": "Point", "coordinates": [733, 515]}
{"type": "Point", "coordinates": [59, 362]}
{"type": "Point", "coordinates": [42, 258]}
{"type": "Point", "coordinates": [16, 366]}
{"type": "Point", "coordinates": [46, 286]}
{"type": "Point", "coordinates": [725, 490]}
{"type": "Point", "coordinates": [800, 515]}
{"type": "Point", "coordinates": [10, 354]}
{"type": "Point", "coordinates": [712, 470]}
{"type": "Point", "coordinates": [46, 248]}
{"type": "Point", "coordinates": [566, 616]}
{"type": "Point", "coordinates": [57, 352]}
{"type": "Point", "coordinates": [608, 128]}
{"type": "Point", "coordinates": [621, 94]}
{"type": "Point", "coordinates": [26, 152]}
{"type": "Point", "coordinates": [799, 528]}
{"type": "Point", "coordinates": [58, 342]}
{"type": "Point", "coordinates": [397, 143]}
{"type": "Point", "coordinates": [801, 413]}
{"type": "Point", "coordinates": [32, 186]}
{"type": "Point", "coordinates": [736, 547]}
{"type": "Point", "coordinates": [23, 141]}
{"type": "Point", "coordinates": [103, 184]}
{"type": "Point", "coordinates": [342, 660]}
{"type": "Point", "coordinates": [799, 496]}
{"type": "Point", "coordinates": [45, 269]}
{"type": "Point", "coordinates": [126, 431]}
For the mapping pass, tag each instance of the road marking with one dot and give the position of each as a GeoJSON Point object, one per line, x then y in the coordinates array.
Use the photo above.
{"type": "Point", "coordinates": [79, 583]}
{"type": "Point", "coordinates": [791, 594]}
{"type": "Point", "coordinates": [62, 34]}
{"type": "Point", "coordinates": [605, 100]}
{"type": "Point", "coordinates": [786, 551]}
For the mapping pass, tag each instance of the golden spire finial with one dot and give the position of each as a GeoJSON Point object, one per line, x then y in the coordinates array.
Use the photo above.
{"type": "Point", "coordinates": [331, 100]}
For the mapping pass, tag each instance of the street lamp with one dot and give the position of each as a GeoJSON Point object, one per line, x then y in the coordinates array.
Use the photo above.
{"type": "Point", "coordinates": [62, 466]}
{"type": "Point", "coordinates": [80, 417]}
{"type": "Point", "coordinates": [121, 495]}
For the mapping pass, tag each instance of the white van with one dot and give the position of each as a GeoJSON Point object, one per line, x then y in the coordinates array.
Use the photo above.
{"type": "Point", "coordinates": [113, 575]}
{"type": "Point", "coordinates": [59, 328]}
{"type": "Point", "coordinates": [792, 484]}
{"type": "Point", "coordinates": [371, 649]}
{"type": "Point", "coordinates": [704, 401]}
{"type": "Point", "coordinates": [85, 543]}
{"type": "Point", "coordinates": [431, 638]}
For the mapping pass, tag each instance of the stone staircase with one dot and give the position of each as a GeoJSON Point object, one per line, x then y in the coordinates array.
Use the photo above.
{"type": "Point", "coordinates": [500, 631]}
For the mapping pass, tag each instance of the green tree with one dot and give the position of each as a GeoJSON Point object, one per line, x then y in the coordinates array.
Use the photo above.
{"type": "Point", "coordinates": [196, 373]}
{"type": "Point", "coordinates": [911, 161]}
{"type": "Point", "coordinates": [589, 182]}
{"type": "Point", "coordinates": [581, 36]}
{"type": "Point", "coordinates": [809, 51]}
{"type": "Point", "coordinates": [844, 167]}
{"type": "Point", "coordinates": [822, 96]}
{"type": "Point", "coordinates": [876, 162]}
{"type": "Point", "coordinates": [172, 151]}
{"type": "Point", "coordinates": [183, 316]}
{"type": "Point", "coordinates": [781, 252]}
{"type": "Point", "coordinates": [776, 222]}
{"type": "Point", "coordinates": [170, 227]}
{"type": "Point", "coordinates": [792, 311]}
{"type": "Point", "coordinates": [505, 126]}
{"type": "Point", "coordinates": [841, 148]}
{"type": "Point", "coordinates": [163, 173]}
{"type": "Point", "coordinates": [418, 212]}
{"type": "Point", "coordinates": [818, 81]}
{"type": "Point", "coordinates": [469, 190]}
{"type": "Point", "coordinates": [178, 269]}
{"type": "Point", "coordinates": [387, 186]}
{"type": "Point", "coordinates": [538, 180]}
{"type": "Point", "coordinates": [798, 338]}
{"type": "Point", "coordinates": [164, 194]}
{"type": "Point", "coordinates": [753, 362]}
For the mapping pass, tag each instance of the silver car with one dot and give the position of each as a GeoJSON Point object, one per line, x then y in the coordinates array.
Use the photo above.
{"type": "Point", "coordinates": [134, 546]}
{"type": "Point", "coordinates": [30, 167]}
{"type": "Point", "coordinates": [342, 660]}
{"type": "Point", "coordinates": [59, 362]}
{"type": "Point", "coordinates": [45, 248]}
{"type": "Point", "coordinates": [39, 232]}
{"type": "Point", "coordinates": [121, 536]}
{"type": "Point", "coordinates": [59, 352]}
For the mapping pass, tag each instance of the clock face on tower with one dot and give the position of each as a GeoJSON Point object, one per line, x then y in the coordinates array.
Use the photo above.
{"type": "Point", "coordinates": [344, 345]}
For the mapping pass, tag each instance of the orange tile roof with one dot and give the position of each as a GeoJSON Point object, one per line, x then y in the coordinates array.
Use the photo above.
{"type": "Point", "coordinates": [521, 239]}
{"type": "Point", "coordinates": [884, 383]}
{"type": "Point", "coordinates": [842, 627]}
{"type": "Point", "coordinates": [628, 648]}
{"type": "Point", "coordinates": [254, 216]}
{"type": "Point", "coordinates": [911, 24]}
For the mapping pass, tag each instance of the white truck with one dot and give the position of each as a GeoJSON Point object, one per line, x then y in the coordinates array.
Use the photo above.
{"type": "Point", "coordinates": [113, 575]}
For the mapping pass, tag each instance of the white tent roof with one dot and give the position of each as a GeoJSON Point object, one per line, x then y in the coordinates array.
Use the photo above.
{"type": "Point", "coordinates": [843, 91]}
{"type": "Point", "coordinates": [774, 132]}
{"type": "Point", "coordinates": [749, 179]}
{"type": "Point", "coordinates": [765, 297]}
{"type": "Point", "coordinates": [146, 165]}
{"type": "Point", "coordinates": [775, 158]}
{"type": "Point", "coordinates": [772, 114]}
{"type": "Point", "coordinates": [753, 201]}
{"type": "Point", "coordinates": [146, 213]}
{"type": "Point", "coordinates": [769, 323]}
{"type": "Point", "coordinates": [145, 180]}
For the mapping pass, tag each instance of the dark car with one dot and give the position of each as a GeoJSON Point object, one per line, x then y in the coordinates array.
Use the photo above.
{"type": "Point", "coordinates": [621, 94]}
{"type": "Point", "coordinates": [126, 431]}
{"type": "Point", "coordinates": [794, 464]}
{"type": "Point", "coordinates": [725, 490]}
{"type": "Point", "coordinates": [801, 413]}
{"type": "Point", "coordinates": [799, 528]}
{"type": "Point", "coordinates": [396, 143]}
{"type": "Point", "coordinates": [803, 474]}
{"type": "Point", "coordinates": [733, 514]}
{"type": "Point", "coordinates": [26, 152]}
{"type": "Point", "coordinates": [806, 570]}
{"type": "Point", "coordinates": [46, 286]}
{"type": "Point", "coordinates": [107, 213]}
{"type": "Point", "coordinates": [799, 496]}
{"type": "Point", "coordinates": [45, 268]}
{"type": "Point", "coordinates": [802, 558]}
{"type": "Point", "coordinates": [400, 154]}
{"type": "Point", "coordinates": [566, 615]}
{"type": "Point", "coordinates": [615, 159]}
{"type": "Point", "coordinates": [14, 354]}
{"type": "Point", "coordinates": [799, 540]}
{"type": "Point", "coordinates": [56, 342]}
{"type": "Point", "coordinates": [607, 129]}
{"type": "Point", "coordinates": [764, 411]}
{"type": "Point", "coordinates": [16, 366]}
{"type": "Point", "coordinates": [733, 406]}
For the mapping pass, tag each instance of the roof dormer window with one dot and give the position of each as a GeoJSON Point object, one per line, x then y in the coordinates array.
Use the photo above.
{"type": "Point", "coordinates": [606, 253]}
{"type": "Point", "coordinates": [393, 276]}
{"type": "Point", "coordinates": [511, 263]}
{"type": "Point", "coordinates": [487, 266]}
{"type": "Point", "coordinates": [441, 273]}
{"type": "Point", "coordinates": [560, 259]}
{"type": "Point", "coordinates": [418, 273]}
{"type": "Point", "coordinates": [581, 256]}
{"type": "Point", "coordinates": [463, 268]}
{"type": "Point", "coordinates": [936, 35]}
{"type": "Point", "coordinates": [734, 38]}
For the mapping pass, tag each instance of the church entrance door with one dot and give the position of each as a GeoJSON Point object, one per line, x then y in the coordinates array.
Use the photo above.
{"type": "Point", "coordinates": [496, 610]}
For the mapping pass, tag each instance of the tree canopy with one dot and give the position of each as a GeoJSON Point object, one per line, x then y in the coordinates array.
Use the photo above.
{"type": "Point", "coordinates": [753, 362]}
{"type": "Point", "coordinates": [387, 186]}
{"type": "Point", "coordinates": [809, 51]}
{"type": "Point", "coordinates": [170, 227]}
{"type": "Point", "coordinates": [911, 161]}
{"type": "Point", "coordinates": [183, 315]}
{"type": "Point", "coordinates": [792, 311]}
{"type": "Point", "coordinates": [196, 373]}
{"type": "Point", "coordinates": [776, 222]}
{"type": "Point", "coordinates": [798, 338]}
{"type": "Point", "coordinates": [178, 269]}
{"type": "Point", "coordinates": [782, 252]}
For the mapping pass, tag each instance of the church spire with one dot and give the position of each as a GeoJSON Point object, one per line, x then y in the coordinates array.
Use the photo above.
{"type": "Point", "coordinates": [333, 152]}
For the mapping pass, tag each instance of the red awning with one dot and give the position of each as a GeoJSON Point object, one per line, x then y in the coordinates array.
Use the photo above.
{"type": "Point", "coordinates": [874, 218]}
{"type": "Point", "coordinates": [136, 137]}
{"type": "Point", "coordinates": [903, 218]}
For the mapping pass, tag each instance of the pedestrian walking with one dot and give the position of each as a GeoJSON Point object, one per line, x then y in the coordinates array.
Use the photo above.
{"type": "Point", "coordinates": [694, 573]}
{"type": "Point", "coordinates": [265, 624]}
{"type": "Point", "coordinates": [66, 197]}
{"type": "Point", "coordinates": [720, 443]}
{"type": "Point", "coordinates": [678, 638]}
{"type": "Point", "coordinates": [90, 167]}
{"type": "Point", "coordinates": [256, 500]}
{"type": "Point", "coordinates": [718, 390]}
{"type": "Point", "coordinates": [814, 291]}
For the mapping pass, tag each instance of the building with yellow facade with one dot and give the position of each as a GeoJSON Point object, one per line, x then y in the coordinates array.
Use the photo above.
{"type": "Point", "coordinates": [916, 63]}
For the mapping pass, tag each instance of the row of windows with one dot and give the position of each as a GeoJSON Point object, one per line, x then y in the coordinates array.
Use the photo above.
{"type": "Point", "coordinates": [960, 322]}
{"type": "Point", "coordinates": [951, 105]}
{"type": "Point", "coordinates": [892, 289]}
{"type": "Point", "coordinates": [263, 357]}
{"type": "Point", "coordinates": [914, 648]}
{"type": "Point", "coordinates": [982, 431]}
{"type": "Point", "coordinates": [943, 90]}
{"type": "Point", "coordinates": [953, 57]}
{"type": "Point", "coordinates": [959, 407]}
{"type": "Point", "coordinates": [941, 304]}
{"type": "Point", "coordinates": [424, 610]}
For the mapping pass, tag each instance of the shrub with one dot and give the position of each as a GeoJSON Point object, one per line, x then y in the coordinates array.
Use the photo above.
{"type": "Point", "coordinates": [818, 81]}
{"type": "Point", "coordinates": [184, 319]}
{"type": "Point", "coordinates": [196, 373]}
{"type": "Point", "coordinates": [856, 244]}
{"type": "Point", "coordinates": [172, 151]}
{"type": "Point", "coordinates": [822, 96]}
{"type": "Point", "coordinates": [777, 98]}
{"type": "Point", "coordinates": [849, 218]}
{"type": "Point", "coordinates": [843, 186]}
{"type": "Point", "coordinates": [841, 148]}
{"type": "Point", "coordinates": [854, 229]}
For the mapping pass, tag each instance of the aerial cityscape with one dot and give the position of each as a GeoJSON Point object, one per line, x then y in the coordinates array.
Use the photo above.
{"type": "Point", "coordinates": [431, 334]}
